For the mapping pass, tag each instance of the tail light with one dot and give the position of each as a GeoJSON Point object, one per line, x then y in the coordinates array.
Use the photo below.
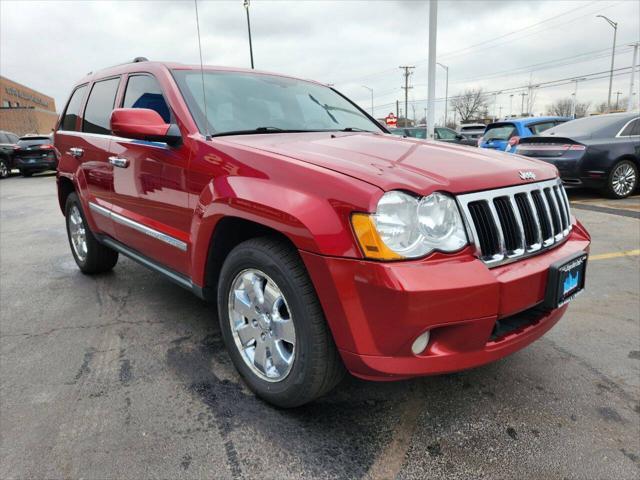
{"type": "Point", "coordinates": [480, 140]}
{"type": "Point", "coordinates": [46, 146]}
{"type": "Point", "coordinates": [514, 141]}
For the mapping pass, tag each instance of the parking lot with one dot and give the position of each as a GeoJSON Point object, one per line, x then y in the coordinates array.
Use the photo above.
{"type": "Point", "coordinates": [124, 375]}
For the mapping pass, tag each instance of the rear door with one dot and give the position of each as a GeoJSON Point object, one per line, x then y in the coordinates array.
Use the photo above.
{"type": "Point", "coordinates": [151, 207]}
{"type": "Point", "coordinates": [93, 146]}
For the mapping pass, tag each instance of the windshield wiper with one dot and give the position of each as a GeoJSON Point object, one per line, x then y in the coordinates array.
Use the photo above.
{"type": "Point", "coordinates": [257, 131]}
{"type": "Point", "coordinates": [355, 129]}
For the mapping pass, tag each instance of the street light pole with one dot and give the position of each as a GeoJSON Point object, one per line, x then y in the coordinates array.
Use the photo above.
{"type": "Point", "coordinates": [371, 90]}
{"type": "Point", "coordinates": [511, 105]}
{"type": "Point", "coordinates": [246, 6]}
{"type": "Point", "coordinates": [634, 64]}
{"type": "Point", "coordinates": [431, 75]}
{"type": "Point", "coordinates": [446, 93]}
{"type": "Point", "coordinates": [495, 102]}
{"type": "Point", "coordinates": [614, 25]}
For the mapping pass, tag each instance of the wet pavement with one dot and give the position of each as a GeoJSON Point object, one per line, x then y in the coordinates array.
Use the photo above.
{"type": "Point", "coordinates": [124, 375]}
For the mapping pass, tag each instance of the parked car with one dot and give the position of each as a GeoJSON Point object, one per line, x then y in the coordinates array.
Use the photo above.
{"type": "Point", "coordinates": [35, 154]}
{"type": "Point", "coordinates": [8, 143]}
{"type": "Point", "coordinates": [601, 152]}
{"type": "Point", "coordinates": [442, 134]}
{"type": "Point", "coordinates": [471, 130]}
{"type": "Point", "coordinates": [326, 243]}
{"type": "Point", "coordinates": [506, 135]}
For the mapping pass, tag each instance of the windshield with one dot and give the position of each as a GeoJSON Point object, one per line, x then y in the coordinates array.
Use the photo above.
{"type": "Point", "coordinates": [502, 131]}
{"type": "Point", "coordinates": [246, 102]}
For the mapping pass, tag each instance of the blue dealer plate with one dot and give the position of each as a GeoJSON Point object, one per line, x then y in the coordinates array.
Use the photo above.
{"type": "Point", "coordinates": [566, 280]}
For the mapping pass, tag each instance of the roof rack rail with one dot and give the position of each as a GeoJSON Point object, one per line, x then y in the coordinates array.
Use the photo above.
{"type": "Point", "coordinates": [140, 59]}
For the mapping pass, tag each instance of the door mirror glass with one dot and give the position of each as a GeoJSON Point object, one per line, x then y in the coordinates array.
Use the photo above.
{"type": "Point", "coordinates": [143, 124]}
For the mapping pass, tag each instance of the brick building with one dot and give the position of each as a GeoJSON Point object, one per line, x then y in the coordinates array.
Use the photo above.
{"type": "Point", "coordinates": [24, 110]}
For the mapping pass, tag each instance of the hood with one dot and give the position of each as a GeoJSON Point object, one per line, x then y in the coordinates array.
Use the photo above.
{"type": "Point", "coordinates": [390, 162]}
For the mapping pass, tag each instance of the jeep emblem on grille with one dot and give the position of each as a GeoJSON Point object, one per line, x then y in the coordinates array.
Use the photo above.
{"type": "Point", "coordinates": [527, 175]}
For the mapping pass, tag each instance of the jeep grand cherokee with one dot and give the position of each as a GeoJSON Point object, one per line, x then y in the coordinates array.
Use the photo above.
{"type": "Point", "coordinates": [326, 244]}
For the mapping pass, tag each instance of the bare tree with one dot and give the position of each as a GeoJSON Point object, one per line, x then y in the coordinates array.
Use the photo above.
{"type": "Point", "coordinates": [562, 108]}
{"type": "Point", "coordinates": [469, 105]}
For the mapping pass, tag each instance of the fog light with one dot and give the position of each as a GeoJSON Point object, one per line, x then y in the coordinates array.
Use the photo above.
{"type": "Point", "coordinates": [420, 343]}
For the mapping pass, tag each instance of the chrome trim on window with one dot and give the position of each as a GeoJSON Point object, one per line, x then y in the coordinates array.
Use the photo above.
{"type": "Point", "coordinates": [122, 220]}
{"type": "Point", "coordinates": [558, 207]}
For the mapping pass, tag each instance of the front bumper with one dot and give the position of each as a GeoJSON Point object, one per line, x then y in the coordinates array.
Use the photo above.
{"type": "Point", "coordinates": [376, 310]}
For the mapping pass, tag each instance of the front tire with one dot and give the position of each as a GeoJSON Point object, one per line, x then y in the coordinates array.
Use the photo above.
{"type": "Point", "coordinates": [90, 255]}
{"type": "Point", "coordinates": [273, 325]}
{"type": "Point", "coordinates": [4, 168]}
{"type": "Point", "coordinates": [622, 180]}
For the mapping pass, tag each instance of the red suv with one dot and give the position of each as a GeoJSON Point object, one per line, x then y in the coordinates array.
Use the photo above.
{"type": "Point", "coordinates": [326, 243]}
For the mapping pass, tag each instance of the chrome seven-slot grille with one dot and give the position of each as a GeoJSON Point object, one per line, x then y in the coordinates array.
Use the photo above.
{"type": "Point", "coordinates": [508, 224]}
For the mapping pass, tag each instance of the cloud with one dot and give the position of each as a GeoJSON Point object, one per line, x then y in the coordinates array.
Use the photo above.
{"type": "Point", "coordinates": [348, 43]}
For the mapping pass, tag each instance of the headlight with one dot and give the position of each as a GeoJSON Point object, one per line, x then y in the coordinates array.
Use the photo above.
{"type": "Point", "coordinates": [405, 226]}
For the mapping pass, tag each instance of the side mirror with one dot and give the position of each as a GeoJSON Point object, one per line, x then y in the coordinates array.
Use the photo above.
{"type": "Point", "coordinates": [143, 124]}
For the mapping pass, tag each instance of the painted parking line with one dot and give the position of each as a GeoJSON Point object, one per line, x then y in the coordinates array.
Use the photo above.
{"type": "Point", "coordinates": [625, 253]}
{"type": "Point", "coordinates": [613, 211]}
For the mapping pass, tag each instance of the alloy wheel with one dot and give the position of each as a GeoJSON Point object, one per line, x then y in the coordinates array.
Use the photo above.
{"type": "Point", "coordinates": [77, 233]}
{"type": "Point", "coordinates": [4, 170]}
{"type": "Point", "coordinates": [262, 325]}
{"type": "Point", "coordinates": [623, 179]}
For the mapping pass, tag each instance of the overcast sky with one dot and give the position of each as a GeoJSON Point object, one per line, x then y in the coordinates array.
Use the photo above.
{"type": "Point", "coordinates": [495, 45]}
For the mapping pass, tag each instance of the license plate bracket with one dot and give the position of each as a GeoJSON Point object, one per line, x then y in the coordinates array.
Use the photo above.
{"type": "Point", "coordinates": [566, 280]}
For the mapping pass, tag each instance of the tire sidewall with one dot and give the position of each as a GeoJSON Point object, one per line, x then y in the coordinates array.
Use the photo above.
{"type": "Point", "coordinates": [72, 200]}
{"type": "Point", "coordinates": [241, 259]}
{"type": "Point", "coordinates": [610, 191]}
{"type": "Point", "coordinates": [5, 163]}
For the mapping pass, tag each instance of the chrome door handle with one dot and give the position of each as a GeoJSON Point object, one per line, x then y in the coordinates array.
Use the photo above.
{"type": "Point", "coordinates": [119, 162]}
{"type": "Point", "coordinates": [76, 152]}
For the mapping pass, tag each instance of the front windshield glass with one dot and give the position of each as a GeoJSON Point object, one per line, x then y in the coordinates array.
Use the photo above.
{"type": "Point", "coordinates": [246, 102]}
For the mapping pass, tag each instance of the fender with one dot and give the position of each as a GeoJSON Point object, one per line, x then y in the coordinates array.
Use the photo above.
{"type": "Point", "coordinates": [312, 222]}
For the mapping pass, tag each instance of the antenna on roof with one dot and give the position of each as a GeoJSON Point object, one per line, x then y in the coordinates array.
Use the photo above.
{"type": "Point", "coordinates": [207, 136]}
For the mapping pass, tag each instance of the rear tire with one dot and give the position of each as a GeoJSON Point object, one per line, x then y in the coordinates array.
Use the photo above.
{"type": "Point", "coordinates": [622, 180]}
{"type": "Point", "coordinates": [4, 168]}
{"type": "Point", "coordinates": [90, 255]}
{"type": "Point", "coordinates": [315, 366]}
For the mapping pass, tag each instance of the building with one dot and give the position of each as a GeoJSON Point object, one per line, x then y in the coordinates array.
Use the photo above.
{"type": "Point", "coordinates": [24, 110]}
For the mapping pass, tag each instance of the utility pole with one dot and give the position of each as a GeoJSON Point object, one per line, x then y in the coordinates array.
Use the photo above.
{"type": "Point", "coordinates": [618, 93]}
{"type": "Point", "coordinates": [397, 109]}
{"type": "Point", "coordinates": [495, 101]}
{"type": "Point", "coordinates": [246, 6]}
{"type": "Point", "coordinates": [446, 93]}
{"type": "Point", "coordinates": [511, 105]}
{"type": "Point", "coordinates": [500, 114]}
{"type": "Point", "coordinates": [522, 104]}
{"type": "Point", "coordinates": [614, 25]}
{"type": "Point", "coordinates": [407, 73]}
{"type": "Point", "coordinates": [431, 75]}
{"type": "Point", "coordinates": [634, 64]}
{"type": "Point", "coordinates": [371, 90]}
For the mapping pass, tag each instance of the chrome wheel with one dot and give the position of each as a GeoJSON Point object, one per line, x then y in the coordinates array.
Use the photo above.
{"type": "Point", "coordinates": [262, 325]}
{"type": "Point", "coordinates": [77, 233]}
{"type": "Point", "coordinates": [4, 170]}
{"type": "Point", "coordinates": [623, 180]}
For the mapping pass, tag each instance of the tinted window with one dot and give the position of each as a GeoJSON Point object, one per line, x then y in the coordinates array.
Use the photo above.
{"type": "Point", "coordinates": [601, 126]}
{"type": "Point", "coordinates": [13, 138]}
{"type": "Point", "coordinates": [541, 127]}
{"type": "Point", "coordinates": [143, 91]}
{"type": "Point", "coordinates": [100, 106]}
{"type": "Point", "coordinates": [632, 129]}
{"type": "Point", "coordinates": [31, 141]}
{"type": "Point", "coordinates": [500, 131]}
{"type": "Point", "coordinates": [73, 109]}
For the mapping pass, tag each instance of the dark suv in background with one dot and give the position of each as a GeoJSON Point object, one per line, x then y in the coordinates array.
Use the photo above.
{"type": "Point", "coordinates": [8, 142]}
{"type": "Point", "coordinates": [34, 154]}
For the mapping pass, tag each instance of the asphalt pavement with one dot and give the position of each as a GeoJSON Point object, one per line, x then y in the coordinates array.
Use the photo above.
{"type": "Point", "coordinates": [124, 375]}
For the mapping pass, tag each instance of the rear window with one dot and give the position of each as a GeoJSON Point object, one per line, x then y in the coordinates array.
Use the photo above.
{"type": "Point", "coordinates": [470, 129]}
{"type": "Point", "coordinates": [501, 131]}
{"type": "Point", "coordinates": [31, 141]}
{"type": "Point", "coordinates": [99, 106]}
{"type": "Point", "coordinates": [69, 120]}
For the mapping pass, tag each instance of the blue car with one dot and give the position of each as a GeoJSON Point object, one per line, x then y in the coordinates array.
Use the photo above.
{"type": "Point", "coordinates": [506, 134]}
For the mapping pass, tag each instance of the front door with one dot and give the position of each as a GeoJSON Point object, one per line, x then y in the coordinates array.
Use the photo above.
{"type": "Point", "coordinates": [151, 208]}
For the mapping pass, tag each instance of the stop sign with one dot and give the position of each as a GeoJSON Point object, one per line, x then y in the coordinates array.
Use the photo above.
{"type": "Point", "coordinates": [391, 120]}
